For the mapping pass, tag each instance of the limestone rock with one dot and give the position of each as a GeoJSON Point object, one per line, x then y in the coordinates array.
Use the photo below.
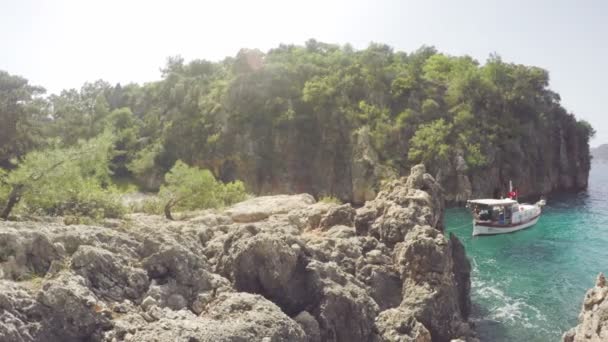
{"type": "Point", "coordinates": [179, 276]}
{"type": "Point", "coordinates": [310, 326]}
{"type": "Point", "coordinates": [260, 208]}
{"type": "Point", "coordinates": [257, 317]}
{"type": "Point", "coordinates": [276, 268]}
{"type": "Point", "coordinates": [25, 253]}
{"type": "Point", "coordinates": [400, 206]}
{"type": "Point", "coordinates": [344, 310]}
{"type": "Point", "coordinates": [231, 317]}
{"type": "Point", "coordinates": [384, 285]}
{"type": "Point", "coordinates": [398, 325]}
{"type": "Point", "coordinates": [430, 288]}
{"type": "Point", "coordinates": [309, 217]}
{"type": "Point", "coordinates": [76, 314]}
{"type": "Point", "coordinates": [593, 319]}
{"type": "Point", "coordinates": [339, 215]}
{"type": "Point", "coordinates": [366, 170]}
{"type": "Point", "coordinates": [20, 314]}
{"type": "Point", "coordinates": [267, 265]}
{"type": "Point", "coordinates": [109, 275]}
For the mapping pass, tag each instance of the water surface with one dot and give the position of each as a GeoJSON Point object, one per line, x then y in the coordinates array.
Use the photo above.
{"type": "Point", "coordinates": [529, 285]}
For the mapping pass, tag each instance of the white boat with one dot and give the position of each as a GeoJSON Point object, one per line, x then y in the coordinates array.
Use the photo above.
{"type": "Point", "coordinates": [500, 216]}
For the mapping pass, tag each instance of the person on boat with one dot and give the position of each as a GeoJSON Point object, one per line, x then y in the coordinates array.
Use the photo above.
{"type": "Point", "coordinates": [476, 212]}
{"type": "Point", "coordinates": [485, 215]}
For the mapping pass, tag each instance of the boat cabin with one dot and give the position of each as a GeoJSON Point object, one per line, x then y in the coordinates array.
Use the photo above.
{"type": "Point", "coordinates": [496, 211]}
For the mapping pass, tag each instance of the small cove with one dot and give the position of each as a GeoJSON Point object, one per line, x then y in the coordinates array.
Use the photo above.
{"type": "Point", "coordinates": [529, 285]}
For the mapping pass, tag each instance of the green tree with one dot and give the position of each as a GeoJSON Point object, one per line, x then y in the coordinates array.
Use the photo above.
{"type": "Point", "coordinates": [21, 117]}
{"type": "Point", "coordinates": [430, 143]}
{"type": "Point", "coordinates": [58, 181]}
{"type": "Point", "coordinates": [125, 126]}
{"type": "Point", "coordinates": [188, 188]}
{"type": "Point", "coordinates": [266, 117]}
{"type": "Point", "coordinates": [587, 131]}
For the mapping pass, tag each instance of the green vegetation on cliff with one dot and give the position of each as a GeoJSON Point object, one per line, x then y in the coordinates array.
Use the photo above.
{"type": "Point", "coordinates": [290, 120]}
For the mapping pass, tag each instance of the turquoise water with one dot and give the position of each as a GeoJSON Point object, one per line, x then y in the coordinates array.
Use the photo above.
{"type": "Point", "coordinates": [529, 285]}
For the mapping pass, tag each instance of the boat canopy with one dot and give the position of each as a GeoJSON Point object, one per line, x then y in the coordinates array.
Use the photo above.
{"type": "Point", "coordinates": [494, 202]}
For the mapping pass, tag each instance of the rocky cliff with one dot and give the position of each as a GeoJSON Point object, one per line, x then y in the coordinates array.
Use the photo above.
{"type": "Point", "coordinates": [555, 160]}
{"type": "Point", "coordinates": [351, 169]}
{"type": "Point", "coordinates": [277, 268]}
{"type": "Point", "coordinates": [593, 319]}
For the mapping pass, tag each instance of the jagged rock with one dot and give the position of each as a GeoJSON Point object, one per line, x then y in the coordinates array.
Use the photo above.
{"type": "Point", "coordinates": [230, 317]}
{"type": "Point", "coordinates": [398, 325]}
{"type": "Point", "coordinates": [179, 276]}
{"type": "Point", "coordinates": [430, 288]}
{"type": "Point", "coordinates": [267, 265]}
{"type": "Point", "coordinates": [593, 319]}
{"type": "Point", "coordinates": [462, 274]}
{"type": "Point", "coordinates": [20, 314]}
{"type": "Point", "coordinates": [75, 313]}
{"type": "Point", "coordinates": [365, 217]}
{"type": "Point", "coordinates": [400, 206]}
{"type": "Point", "coordinates": [310, 326]}
{"type": "Point", "coordinates": [255, 313]}
{"type": "Point", "coordinates": [366, 169]}
{"type": "Point", "coordinates": [148, 302]}
{"type": "Point", "coordinates": [259, 208]}
{"type": "Point", "coordinates": [109, 275]}
{"type": "Point", "coordinates": [383, 283]}
{"type": "Point", "coordinates": [341, 232]}
{"type": "Point", "coordinates": [344, 310]}
{"type": "Point", "coordinates": [339, 215]}
{"type": "Point", "coordinates": [383, 272]}
{"type": "Point", "coordinates": [343, 251]}
{"type": "Point", "coordinates": [178, 263]}
{"type": "Point", "coordinates": [23, 254]}
{"type": "Point", "coordinates": [309, 217]}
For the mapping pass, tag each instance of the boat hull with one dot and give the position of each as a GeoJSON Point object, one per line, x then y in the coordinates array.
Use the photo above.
{"type": "Point", "coordinates": [480, 229]}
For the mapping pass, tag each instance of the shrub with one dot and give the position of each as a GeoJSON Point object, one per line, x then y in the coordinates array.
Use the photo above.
{"type": "Point", "coordinates": [148, 206]}
{"type": "Point", "coordinates": [87, 200]}
{"type": "Point", "coordinates": [233, 192]}
{"type": "Point", "coordinates": [188, 188]}
{"type": "Point", "coordinates": [65, 181]}
{"type": "Point", "coordinates": [330, 199]}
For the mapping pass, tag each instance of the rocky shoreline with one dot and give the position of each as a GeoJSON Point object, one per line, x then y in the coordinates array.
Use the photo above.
{"type": "Point", "coordinates": [593, 319]}
{"type": "Point", "coordinates": [275, 268]}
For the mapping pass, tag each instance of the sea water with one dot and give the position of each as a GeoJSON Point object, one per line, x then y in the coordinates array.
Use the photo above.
{"type": "Point", "coordinates": [529, 285]}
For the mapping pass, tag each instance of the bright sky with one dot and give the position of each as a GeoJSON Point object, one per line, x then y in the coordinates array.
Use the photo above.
{"type": "Point", "coordinates": [63, 43]}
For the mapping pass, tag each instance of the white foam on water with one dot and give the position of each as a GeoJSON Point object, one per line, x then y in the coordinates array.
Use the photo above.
{"type": "Point", "coordinates": [501, 307]}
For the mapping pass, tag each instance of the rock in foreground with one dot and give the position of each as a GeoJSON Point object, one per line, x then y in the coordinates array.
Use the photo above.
{"type": "Point", "coordinates": [277, 268]}
{"type": "Point", "coordinates": [593, 319]}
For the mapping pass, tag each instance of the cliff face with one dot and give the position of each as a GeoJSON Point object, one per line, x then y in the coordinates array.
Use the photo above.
{"type": "Point", "coordinates": [349, 167]}
{"type": "Point", "coordinates": [341, 165]}
{"type": "Point", "coordinates": [330, 120]}
{"type": "Point", "coordinates": [557, 160]}
{"type": "Point", "coordinates": [276, 268]}
{"type": "Point", "coordinates": [593, 319]}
